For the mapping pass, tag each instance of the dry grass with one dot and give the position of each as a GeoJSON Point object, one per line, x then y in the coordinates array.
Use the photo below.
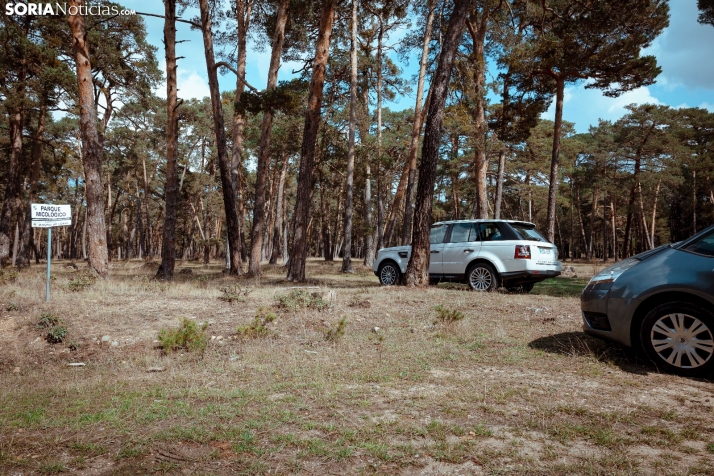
{"type": "Point", "coordinates": [513, 387]}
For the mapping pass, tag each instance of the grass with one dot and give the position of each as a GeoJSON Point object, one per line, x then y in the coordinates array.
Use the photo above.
{"type": "Point", "coordinates": [506, 389]}
{"type": "Point", "coordinates": [561, 287]}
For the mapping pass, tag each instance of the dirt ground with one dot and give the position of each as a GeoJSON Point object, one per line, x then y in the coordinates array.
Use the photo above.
{"type": "Point", "coordinates": [511, 386]}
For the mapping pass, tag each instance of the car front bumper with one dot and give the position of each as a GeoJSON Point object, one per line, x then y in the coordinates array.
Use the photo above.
{"type": "Point", "coordinates": [604, 316]}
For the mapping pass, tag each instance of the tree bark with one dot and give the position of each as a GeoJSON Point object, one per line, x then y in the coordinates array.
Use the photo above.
{"type": "Point", "coordinates": [349, 179]}
{"type": "Point", "coordinates": [224, 162]}
{"type": "Point", "coordinates": [91, 149]}
{"type": "Point", "coordinates": [168, 248]}
{"type": "Point", "coordinates": [279, 217]}
{"type": "Point", "coordinates": [555, 158]}
{"type": "Point", "coordinates": [478, 36]}
{"type": "Point", "coordinates": [298, 256]}
{"type": "Point", "coordinates": [654, 213]}
{"type": "Point", "coordinates": [261, 174]}
{"type": "Point", "coordinates": [591, 230]}
{"type": "Point", "coordinates": [418, 268]}
{"type": "Point", "coordinates": [416, 130]}
{"type": "Point", "coordinates": [499, 183]}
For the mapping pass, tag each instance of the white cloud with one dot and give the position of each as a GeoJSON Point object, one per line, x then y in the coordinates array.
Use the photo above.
{"type": "Point", "coordinates": [191, 85]}
{"type": "Point", "coordinates": [708, 106]}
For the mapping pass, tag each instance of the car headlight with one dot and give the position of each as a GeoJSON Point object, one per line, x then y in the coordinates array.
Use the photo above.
{"type": "Point", "coordinates": [611, 273]}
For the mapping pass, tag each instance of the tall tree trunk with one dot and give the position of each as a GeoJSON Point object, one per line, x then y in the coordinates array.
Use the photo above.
{"type": "Point", "coordinates": [91, 149]}
{"type": "Point", "coordinates": [279, 216]}
{"type": "Point", "coordinates": [654, 213]}
{"type": "Point", "coordinates": [380, 186]}
{"type": "Point", "coordinates": [168, 248]}
{"type": "Point", "coordinates": [416, 130]}
{"type": "Point", "coordinates": [478, 61]}
{"type": "Point", "coordinates": [627, 243]}
{"type": "Point", "coordinates": [499, 183]}
{"type": "Point", "coordinates": [349, 179]}
{"type": "Point", "coordinates": [418, 268]}
{"type": "Point", "coordinates": [615, 250]}
{"type": "Point", "coordinates": [555, 158]}
{"type": "Point", "coordinates": [298, 256]}
{"type": "Point", "coordinates": [261, 174]}
{"type": "Point", "coordinates": [396, 205]}
{"type": "Point", "coordinates": [36, 166]}
{"type": "Point", "coordinates": [224, 162]}
{"type": "Point", "coordinates": [591, 229]}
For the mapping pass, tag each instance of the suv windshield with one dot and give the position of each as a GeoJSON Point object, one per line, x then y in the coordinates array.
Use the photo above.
{"type": "Point", "coordinates": [528, 232]}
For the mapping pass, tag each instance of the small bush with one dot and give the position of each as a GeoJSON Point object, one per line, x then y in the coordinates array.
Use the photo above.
{"type": "Point", "coordinates": [334, 334]}
{"type": "Point", "coordinates": [82, 281]}
{"type": "Point", "coordinates": [56, 334]}
{"type": "Point", "coordinates": [8, 275]}
{"type": "Point", "coordinates": [234, 293]}
{"type": "Point", "coordinates": [188, 335]}
{"type": "Point", "coordinates": [150, 284]}
{"type": "Point", "coordinates": [47, 320]}
{"type": "Point", "coordinates": [447, 315]}
{"type": "Point", "coordinates": [12, 307]}
{"type": "Point", "coordinates": [258, 326]}
{"type": "Point", "coordinates": [301, 299]}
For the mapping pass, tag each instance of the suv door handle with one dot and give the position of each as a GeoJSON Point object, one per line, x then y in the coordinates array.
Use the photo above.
{"type": "Point", "coordinates": [468, 251]}
{"type": "Point", "coordinates": [433, 252]}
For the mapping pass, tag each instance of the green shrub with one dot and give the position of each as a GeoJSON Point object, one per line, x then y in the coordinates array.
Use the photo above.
{"type": "Point", "coordinates": [56, 334]}
{"type": "Point", "coordinates": [189, 336]}
{"type": "Point", "coordinates": [257, 327]}
{"type": "Point", "coordinates": [334, 334]}
{"type": "Point", "coordinates": [12, 307]}
{"type": "Point", "coordinates": [301, 299]}
{"type": "Point", "coordinates": [8, 275]}
{"type": "Point", "coordinates": [82, 281]}
{"type": "Point", "coordinates": [234, 293]}
{"type": "Point", "coordinates": [47, 320]}
{"type": "Point", "coordinates": [447, 315]}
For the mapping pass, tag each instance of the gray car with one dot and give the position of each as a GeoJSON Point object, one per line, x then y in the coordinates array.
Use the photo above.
{"type": "Point", "coordinates": [662, 301]}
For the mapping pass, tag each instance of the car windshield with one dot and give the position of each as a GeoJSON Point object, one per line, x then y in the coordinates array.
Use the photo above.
{"type": "Point", "coordinates": [528, 232]}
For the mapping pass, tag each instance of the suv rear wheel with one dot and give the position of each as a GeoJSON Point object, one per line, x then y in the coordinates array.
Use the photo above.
{"type": "Point", "coordinates": [482, 277]}
{"type": "Point", "coordinates": [679, 337]}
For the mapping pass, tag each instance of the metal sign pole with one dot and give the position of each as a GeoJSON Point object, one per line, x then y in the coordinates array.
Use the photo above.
{"type": "Point", "coordinates": [49, 257]}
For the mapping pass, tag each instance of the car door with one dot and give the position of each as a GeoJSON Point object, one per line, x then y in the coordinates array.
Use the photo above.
{"type": "Point", "coordinates": [436, 243]}
{"type": "Point", "coordinates": [494, 245]}
{"type": "Point", "coordinates": [462, 247]}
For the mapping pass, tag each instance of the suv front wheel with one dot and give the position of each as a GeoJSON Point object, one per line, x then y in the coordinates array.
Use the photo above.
{"type": "Point", "coordinates": [679, 337]}
{"type": "Point", "coordinates": [389, 273]}
{"type": "Point", "coordinates": [482, 277]}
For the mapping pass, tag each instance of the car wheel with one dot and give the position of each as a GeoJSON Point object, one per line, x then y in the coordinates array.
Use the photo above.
{"type": "Point", "coordinates": [389, 273]}
{"type": "Point", "coordinates": [679, 337]}
{"type": "Point", "coordinates": [482, 277]}
{"type": "Point", "coordinates": [521, 288]}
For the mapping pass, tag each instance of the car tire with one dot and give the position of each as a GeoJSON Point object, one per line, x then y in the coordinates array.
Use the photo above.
{"type": "Point", "coordinates": [521, 288]}
{"type": "Point", "coordinates": [678, 337]}
{"type": "Point", "coordinates": [389, 273]}
{"type": "Point", "coordinates": [482, 277]}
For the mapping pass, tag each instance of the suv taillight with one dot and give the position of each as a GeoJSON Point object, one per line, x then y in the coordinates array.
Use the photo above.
{"type": "Point", "coordinates": [522, 252]}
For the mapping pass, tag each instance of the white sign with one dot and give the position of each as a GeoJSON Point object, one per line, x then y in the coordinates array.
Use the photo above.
{"type": "Point", "coordinates": [47, 216]}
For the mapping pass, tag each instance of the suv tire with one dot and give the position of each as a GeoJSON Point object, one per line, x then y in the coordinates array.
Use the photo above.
{"type": "Point", "coordinates": [678, 337]}
{"type": "Point", "coordinates": [482, 277]}
{"type": "Point", "coordinates": [389, 274]}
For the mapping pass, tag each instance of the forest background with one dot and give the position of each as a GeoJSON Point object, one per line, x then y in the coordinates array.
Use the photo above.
{"type": "Point", "coordinates": [271, 131]}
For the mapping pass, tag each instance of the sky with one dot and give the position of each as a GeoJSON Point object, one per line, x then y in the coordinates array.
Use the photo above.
{"type": "Point", "coordinates": [684, 51]}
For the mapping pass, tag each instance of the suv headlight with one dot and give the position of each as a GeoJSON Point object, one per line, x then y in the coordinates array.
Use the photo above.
{"type": "Point", "coordinates": [611, 273]}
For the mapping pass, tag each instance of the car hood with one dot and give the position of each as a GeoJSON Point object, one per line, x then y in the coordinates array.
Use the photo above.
{"type": "Point", "coordinates": [396, 249]}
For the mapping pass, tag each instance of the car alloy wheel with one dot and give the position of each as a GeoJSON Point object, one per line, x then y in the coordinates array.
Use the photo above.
{"type": "Point", "coordinates": [388, 274]}
{"type": "Point", "coordinates": [680, 337]}
{"type": "Point", "coordinates": [482, 278]}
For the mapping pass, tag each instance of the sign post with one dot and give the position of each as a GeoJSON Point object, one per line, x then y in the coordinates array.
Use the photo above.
{"type": "Point", "coordinates": [47, 216]}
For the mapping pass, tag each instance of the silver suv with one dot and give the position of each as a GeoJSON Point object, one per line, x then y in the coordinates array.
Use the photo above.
{"type": "Point", "coordinates": [486, 254]}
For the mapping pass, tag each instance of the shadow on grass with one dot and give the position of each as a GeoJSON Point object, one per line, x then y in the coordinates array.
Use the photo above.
{"type": "Point", "coordinates": [579, 344]}
{"type": "Point", "coordinates": [561, 287]}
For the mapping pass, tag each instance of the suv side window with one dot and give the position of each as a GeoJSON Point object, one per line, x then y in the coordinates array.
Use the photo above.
{"type": "Point", "coordinates": [489, 232]}
{"type": "Point", "coordinates": [704, 246]}
{"type": "Point", "coordinates": [463, 232]}
{"type": "Point", "coordinates": [437, 234]}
